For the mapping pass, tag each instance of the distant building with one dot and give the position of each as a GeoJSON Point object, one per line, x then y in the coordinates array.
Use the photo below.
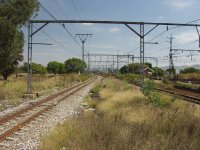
{"type": "Point", "coordinates": [148, 72]}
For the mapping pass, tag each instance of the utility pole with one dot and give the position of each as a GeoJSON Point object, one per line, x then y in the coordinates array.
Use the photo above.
{"type": "Point", "coordinates": [128, 58]}
{"type": "Point", "coordinates": [171, 64]}
{"type": "Point", "coordinates": [113, 64]}
{"type": "Point", "coordinates": [117, 63]}
{"type": "Point", "coordinates": [133, 64]}
{"type": "Point", "coordinates": [83, 38]}
{"type": "Point", "coordinates": [88, 62]}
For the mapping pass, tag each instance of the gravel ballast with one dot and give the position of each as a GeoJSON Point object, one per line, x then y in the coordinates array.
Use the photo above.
{"type": "Point", "coordinates": [29, 137]}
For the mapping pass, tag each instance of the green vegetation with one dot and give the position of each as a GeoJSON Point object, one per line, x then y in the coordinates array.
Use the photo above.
{"type": "Point", "coordinates": [95, 91]}
{"type": "Point", "coordinates": [56, 67]}
{"type": "Point", "coordinates": [36, 68]}
{"type": "Point", "coordinates": [186, 85]}
{"type": "Point", "coordinates": [153, 96]}
{"type": "Point", "coordinates": [133, 68]}
{"type": "Point", "coordinates": [126, 119]}
{"type": "Point", "coordinates": [75, 65]}
{"type": "Point", "coordinates": [158, 72]}
{"type": "Point", "coordinates": [13, 15]}
{"type": "Point", "coordinates": [189, 70]}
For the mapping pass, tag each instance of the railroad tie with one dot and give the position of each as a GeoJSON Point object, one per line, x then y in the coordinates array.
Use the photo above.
{"type": "Point", "coordinates": [11, 139]}
{"type": "Point", "coordinates": [4, 144]}
{"type": "Point", "coordinates": [25, 129]}
{"type": "Point", "coordinates": [18, 133]}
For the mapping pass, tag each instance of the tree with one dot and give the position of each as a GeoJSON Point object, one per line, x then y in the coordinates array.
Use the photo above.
{"type": "Point", "coordinates": [133, 68]}
{"type": "Point", "coordinates": [53, 67]}
{"type": "Point", "coordinates": [189, 70]}
{"type": "Point", "coordinates": [56, 67]}
{"type": "Point", "coordinates": [158, 71]}
{"type": "Point", "coordinates": [75, 65]}
{"type": "Point", "coordinates": [124, 69]}
{"type": "Point", "coordinates": [13, 15]}
{"type": "Point", "coordinates": [61, 68]}
{"type": "Point", "coordinates": [148, 65]}
{"type": "Point", "coordinates": [36, 68]}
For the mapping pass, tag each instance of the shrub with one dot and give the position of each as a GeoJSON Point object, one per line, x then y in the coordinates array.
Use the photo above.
{"type": "Point", "coordinates": [151, 93]}
{"type": "Point", "coordinates": [95, 91]}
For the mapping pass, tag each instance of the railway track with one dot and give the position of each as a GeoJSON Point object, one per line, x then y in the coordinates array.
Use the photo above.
{"type": "Point", "coordinates": [189, 98]}
{"type": "Point", "coordinates": [16, 121]}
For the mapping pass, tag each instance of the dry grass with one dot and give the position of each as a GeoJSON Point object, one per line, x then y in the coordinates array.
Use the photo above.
{"type": "Point", "coordinates": [125, 119]}
{"type": "Point", "coordinates": [194, 76]}
{"type": "Point", "coordinates": [13, 90]}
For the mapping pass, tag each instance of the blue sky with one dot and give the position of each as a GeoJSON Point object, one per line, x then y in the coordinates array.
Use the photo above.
{"type": "Point", "coordinates": [113, 39]}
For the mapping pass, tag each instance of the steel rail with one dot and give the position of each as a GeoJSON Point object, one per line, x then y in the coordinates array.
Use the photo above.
{"type": "Point", "coordinates": [8, 117]}
{"type": "Point", "coordinates": [31, 118]}
{"type": "Point", "coordinates": [189, 98]}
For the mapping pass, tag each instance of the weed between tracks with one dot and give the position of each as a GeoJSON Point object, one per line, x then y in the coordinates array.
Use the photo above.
{"type": "Point", "coordinates": [126, 119]}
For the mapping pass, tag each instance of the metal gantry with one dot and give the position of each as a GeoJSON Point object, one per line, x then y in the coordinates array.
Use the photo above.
{"type": "Point", "coordinates": [83, 38]}
{"type": "Point", "coordinates": [141, 35]}
{"type": "Point", "coordinates": [172, 52]}
{"type": "Point", "coordinates": [116, 61]}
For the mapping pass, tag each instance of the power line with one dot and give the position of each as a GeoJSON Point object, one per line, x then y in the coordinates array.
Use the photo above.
{"type": "Point", "coordinates": [76, 9]}
{"type": "Point", "coordinates": [65, 15]}
{"type": "Point", "coordinates": [63, 25]}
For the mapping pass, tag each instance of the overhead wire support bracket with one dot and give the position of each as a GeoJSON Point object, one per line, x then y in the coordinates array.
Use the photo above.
{"type": "Point", "coordinates": [39, 29]}
{"type": "Point", "coordinates": [132, 30]}
{"type": "Point", "coordinates": [151, 30]}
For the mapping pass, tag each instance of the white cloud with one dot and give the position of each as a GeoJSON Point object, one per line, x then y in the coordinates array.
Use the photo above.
{"type": "Point", "coordinates": [114, 29]}
{"type": "Point", "coordinates": [88, 24]}
{"type": "Point", "coordinates": [180, 4]}
{"type": "Point", "coordinates": [186, 37]}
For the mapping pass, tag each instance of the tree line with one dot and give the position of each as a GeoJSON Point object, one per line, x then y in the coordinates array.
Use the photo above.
{"type": "Point", "coordinates": [55, 67]}
{"type": "Point", "coordinates": [190, 70]}
{"type": "Point", "coordinates": [135, 68]}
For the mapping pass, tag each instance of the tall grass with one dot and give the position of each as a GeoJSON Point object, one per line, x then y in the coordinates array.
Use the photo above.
{"type": "Point", "coordinates": [192, 76]}
{"type": "Point", "coordinates": [14, 89]}
{"type": "Point", "coordinates": [125, 119]}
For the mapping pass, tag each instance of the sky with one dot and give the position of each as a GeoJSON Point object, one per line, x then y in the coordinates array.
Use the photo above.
{"type": "Point", "coordinates": [116, 39]}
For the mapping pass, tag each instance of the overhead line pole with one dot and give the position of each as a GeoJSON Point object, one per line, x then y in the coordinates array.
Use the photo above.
{"type": "Point", "coordinates": [83, 38]}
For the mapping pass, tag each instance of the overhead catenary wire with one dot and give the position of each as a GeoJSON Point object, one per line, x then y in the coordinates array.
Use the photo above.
{"type": "Point", "coordinates": [76, 9]}
{"type": "Point", "coordinates": [62, 25]}
{"type": "Point", "coordinates": [64, 14]}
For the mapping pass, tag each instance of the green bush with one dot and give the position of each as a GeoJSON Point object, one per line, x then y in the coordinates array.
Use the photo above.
{"type": "Point", "coordinates": [95, 91]}
{"type": "Point", "coordinates": [152, 94]}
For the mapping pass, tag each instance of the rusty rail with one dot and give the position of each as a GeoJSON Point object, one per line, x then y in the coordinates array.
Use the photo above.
{"type": "Point", "coordinates": [8, 117]}
{"type": "Point", "coordinates": [28, 120]}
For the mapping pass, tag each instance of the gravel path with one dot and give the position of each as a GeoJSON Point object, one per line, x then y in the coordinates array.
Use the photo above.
{"type": "Point", "coordinates": [29, 137]}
